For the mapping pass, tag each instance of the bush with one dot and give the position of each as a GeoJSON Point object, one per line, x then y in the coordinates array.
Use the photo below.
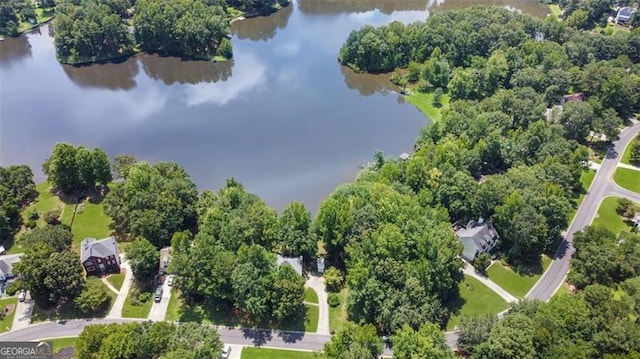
{"type": "Point", "coordinates": [626, 208]}
{"type": "Point", "coordinates": [12, 288]}
{"type": "Point", "coordinates": [333, 279]}
{"type": "Point", "coordinates": [144, 297]}
{"type": "Point", "coordinates": [481, 262]}
{"type": "Point", "coordinates": [333, 300]}
{"type": "Point", "coordinates": [31, 224]}
{"type": "Point", "coordinates": [33, 215]}
{"type": "Point", "coordinates": [52, 217]}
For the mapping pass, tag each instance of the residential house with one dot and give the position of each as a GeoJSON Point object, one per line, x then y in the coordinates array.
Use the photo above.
{"type": "Point", "coordinates": [6, 271]}
{"type": "Point", "coordinates": [574, 97]}
{"type": "Point", "coordinates": [99, 257]}
{"type": "Point", "coordinates": [405, 156]}
{"type": "Point", "coordinates": [477, 237]}
{"type": "Point", "coordinates": [625, 15]}
{"type": "Point", "coordinates": [293, 262]}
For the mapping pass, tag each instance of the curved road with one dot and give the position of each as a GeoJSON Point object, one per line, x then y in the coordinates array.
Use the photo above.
{"type": "Point", "coordinates": [602, 186]}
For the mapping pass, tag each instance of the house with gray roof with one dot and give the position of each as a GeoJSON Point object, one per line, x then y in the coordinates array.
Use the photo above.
{"type": "Point", "coordinates": [100, 257]}
{"type": "Point", "coordinates": [477, 238]}
{"type": "Point", "coordinates": [625, 15]}
{"type": "Point", "coordinates": [294, 262]}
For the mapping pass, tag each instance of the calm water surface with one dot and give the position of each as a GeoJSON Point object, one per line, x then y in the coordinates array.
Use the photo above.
{"type": "Point", "coordinates": [283, 117]}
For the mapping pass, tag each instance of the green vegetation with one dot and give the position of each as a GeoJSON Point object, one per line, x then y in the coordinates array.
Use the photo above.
{"type": "Point", "coordinates": [555, 10]}
{"type": "Point", "coordinates": [586, 178]}
{"type": "Point", "coordinates": [262, 353]}
{"type": "Point", "coordinates": [90, 221]}
{"type": "Point", "coordinates": [608, 217]}
{"type": "Point", "coordinates": [475, 299]}
{"type": "Point", "coordinates": [311, 318]}
{"type": "Point", "coordinates": [116, 280]}
{"type": "Point", "coordinates": [424, 102]}
{"type": "Point", "coordinates": [626, 156]}
{"type": "Point", "coordinates": [173, 308]}
{"type": "Point", "coordinates": [310, 296]}
{"type": "Point", "coordinates": [7, 319]}
{"type": "Point", "coordinates": [71, 310]}
{"type": "Point", "coordinates": [62, 343]}
{"type": "Point", "coordinates": [45, 202]}
{"type": "Point", "coordinates": [518, 282]}
{"type": "Point", "coordinates": [338, 314]}
{"type": "Point", "coordinates": [628, 178]}
{"type": "Point", "coordinates": [142, 305]}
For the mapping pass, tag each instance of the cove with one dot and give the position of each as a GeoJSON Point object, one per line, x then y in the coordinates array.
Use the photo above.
{"type": "Point", "coordinates": [283, 117]}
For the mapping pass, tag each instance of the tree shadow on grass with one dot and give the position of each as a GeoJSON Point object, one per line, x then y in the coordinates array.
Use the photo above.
{"type": "Point", "coordinates": [455, 302]}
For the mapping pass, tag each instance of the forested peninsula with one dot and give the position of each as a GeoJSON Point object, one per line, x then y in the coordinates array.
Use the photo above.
{"type": "Point", "coordinates": [88, 31]}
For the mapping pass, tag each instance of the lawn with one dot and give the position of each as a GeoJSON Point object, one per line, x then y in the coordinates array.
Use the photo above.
{"type": "Point", "coordinates": [555, 10]}
{"type": "Point", "coordinates": [7, 321]}
{"type": "Point", "coordinates": [137, 311]}
{"type": "Point", "coordinates": [628, 178]}
{"type": "Point", "coordinates": [90, 221]}
{"type": "Point", "coordinates": [42, 15]}
{"type": "Point", "coordinates": [517, 283]}
{"type": "Point", "coordinates": [116, 280]}
{"type": "Point", "coordinates": [608, 218]}
{"type": "Point", "coordinates": [626, 156]}
{"type": "Point", "coordinates": [475, 298]}
{"type": "Point", "coordinates": [173, 309]}
{"type": "Point", "coordinates": [311, 321]}
{"type": "Point", "coordinates": [69, 310]}
{"type": "Point", "coordinates": [261, 353]}
{"type": "Point", "coordinates": [310, 296]}
{"type": "Point", "coordinates": [424, 102]}
{"type": "Point", "coordinates": [338, 315]}
{"type": "Point", "coordinates": [61, 343]}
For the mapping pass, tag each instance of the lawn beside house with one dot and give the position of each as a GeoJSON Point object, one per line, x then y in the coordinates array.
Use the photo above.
{"type": "Point", "coordinates": [608, 218]}
{"type": "Point", "coordinates": [338, 314]}
{"type": "Point", "coordinates": [475, 298]}
{"type": "Point", "coordinates": [70, 311]}
{"type": "Point", "coordinates": [173, 307]}
{"type": "Point", "coordinates": [424, 102]}
{"type": "Point", "coordinates": [90, 221]}
{"type": "Point", "coordinates": [311, 319]}
{"type": "Point", "coordinates": [516, 283]}
{"type": "Point", "coordinates": [628, 178]}
{"type": "Point", "coordinates": [7, 321]}
{"type": "Point", "coordinates": [263, 353]}
{"type": "Point", "coordinates": [116, 280]}
{"type": "Point", "coordinates": [310, 296]}
{"type": "Point", "coordinates": [137, 311]}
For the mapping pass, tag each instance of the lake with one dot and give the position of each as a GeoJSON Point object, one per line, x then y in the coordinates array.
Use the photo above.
{"type": "Point", "coordinates": [283, 117]}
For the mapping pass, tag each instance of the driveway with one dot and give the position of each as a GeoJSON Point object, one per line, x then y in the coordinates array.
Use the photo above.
{"type": "Point", "coordinates": [159, 310]}
{"type": "Point", "coordinates": [116, 310]}
{"type": "Point", "coordinates": [317, 284]}
{"type": "Point", "coordinates": [22, 318]}
{"type": "Point", "coordinates": [236, 351]}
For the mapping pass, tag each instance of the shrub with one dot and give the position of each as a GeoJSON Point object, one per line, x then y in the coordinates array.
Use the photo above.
{"type": "Point", "coordinates": [31, 224]}
{"type": "Point", "coordinates": [481, 262]}
{"type": "Point", "coordinates": [333, 279]}
{"type": "Point", "coordinates": [626, 208]}
{"type": "Point", "coordinates": [52, 217]}
{"type": "Point", "coordinates": [144, 297]}
{"type": "Point", "coordinates": [333, 300]}
{"type": "Point", "coordinates": [33, 215]}
{"type": "Point", "coordinates": [12, 288]}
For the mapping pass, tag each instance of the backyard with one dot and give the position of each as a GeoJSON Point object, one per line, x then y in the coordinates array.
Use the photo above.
{"type": "Point", "coordinates": [424, 102]}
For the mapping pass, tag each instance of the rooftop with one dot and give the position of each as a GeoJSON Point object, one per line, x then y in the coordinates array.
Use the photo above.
{"type": "Point", "coordinates": [90, 247]}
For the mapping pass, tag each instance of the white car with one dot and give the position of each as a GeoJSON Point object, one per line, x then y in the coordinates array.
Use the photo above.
{"type": "Point", "coordinates": [226, 351]}
{"type": "Point", "coordinates": [22, 295]}
{"type": "Point", "coordinates": [170, 280]}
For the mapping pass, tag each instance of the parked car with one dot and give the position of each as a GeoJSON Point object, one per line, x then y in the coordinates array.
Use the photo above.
{"type": "Point", "coordinates": [22, 295]}
{"type": "Point", "coordinates": [226, 351]}
{"type": "Point", "coordinates": [158, 296]}
{"type": "Point", "coordinates": [160, 279]}
{"type": "Point", "coordinates": [170, 280]}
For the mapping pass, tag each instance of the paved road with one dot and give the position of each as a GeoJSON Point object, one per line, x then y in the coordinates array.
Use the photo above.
{"type": "Point", "coordinates": [247, 337]}
{"type": "Point", "coordinates": [602, 186]}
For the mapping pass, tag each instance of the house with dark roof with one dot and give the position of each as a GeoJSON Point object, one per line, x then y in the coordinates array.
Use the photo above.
{"type": "Point", "coordinates": [100, 257]}
{"type": "Point", "coordinates": [625, 15]}
{"type": "Point", "coordinates": [477, 237]}
{"type": "Point", "coordinates": [6, 271]}
{"type": "Point", "coordinates": [294, 262]}
{"type": "Point", "coordinates": [574, 97]}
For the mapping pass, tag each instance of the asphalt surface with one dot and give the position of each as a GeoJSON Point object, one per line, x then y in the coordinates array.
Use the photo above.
{"type": "Point", "coordinates": [601, 187]}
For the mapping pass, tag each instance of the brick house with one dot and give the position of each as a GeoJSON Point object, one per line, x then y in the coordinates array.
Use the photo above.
{"type": "Point", "coordinates": [99, 257]}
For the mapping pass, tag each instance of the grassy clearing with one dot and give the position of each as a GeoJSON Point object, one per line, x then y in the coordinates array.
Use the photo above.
{"type": "Point", "coordinates": [69, 310]}
{"type": "Point", "coordinates": [517, 283]}
{"type": "Point", "coordinates": [261, 353]}
{"type": "Point", "coordinates": [45, 202]}
{"type": "Point", "coordinates": [628, 178]}
{"type": "Point", "coordinates": [116, 280]}
{"type": "Point", "coordinates": [137, 311]}
{"type": "Point", "coordinates": [61, 343]}
{"type": "Point", "coordinates": [7, 321]}
{"type": "Point", "coordinates": [555, 10]}
{"type": "Point", "coordinates": [338, 315]}
{"type": "Point", "coordinates": [626, 156]}
{"type": "Point", "coordinates": [90, 221]}
{"type": "Point", "coordinates": [310, 296]}
{"type": "Point", "coordinates": [424, 102]}
{"type": "Point", "coordinates": [311, 320]}
{"type": "Point", "coordinates": [173, 308]}
{"type": "Point", "coordinates": [608, 218]}
{"type": "Point", "coordinates": [475, 298]}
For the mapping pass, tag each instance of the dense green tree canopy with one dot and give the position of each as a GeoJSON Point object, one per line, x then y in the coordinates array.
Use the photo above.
{"type": "Point", "coordinates": [75, 169]}
{"type": "Point", "coordinates": [59, 237]}
{"type": "Point", "coordinates": [143, 259]}
{"type": "Point", "coordinates": [16, 190]}
{"type": "Point", "coordinates": [154, 202]}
